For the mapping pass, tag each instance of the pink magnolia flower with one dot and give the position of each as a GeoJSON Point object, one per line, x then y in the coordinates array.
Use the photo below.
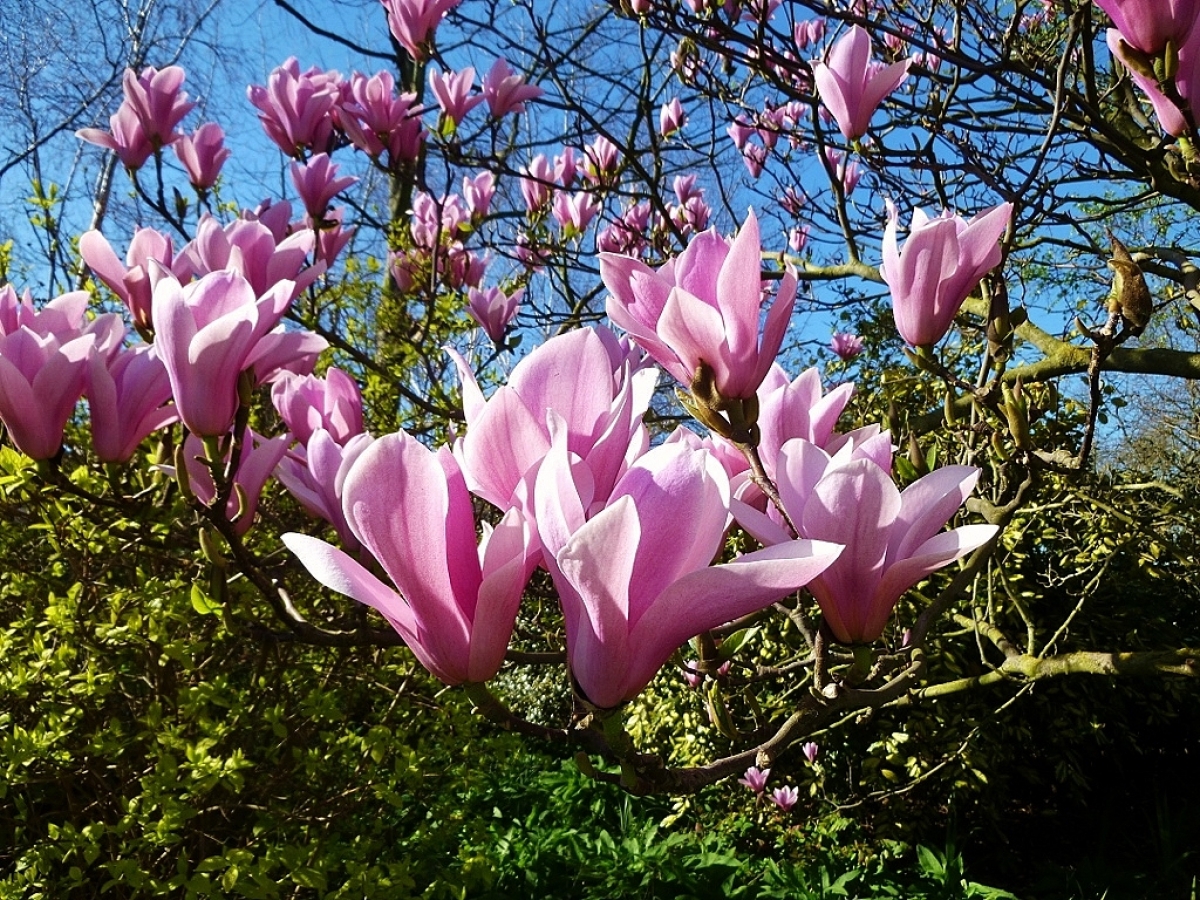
{"type": "Point", "coordinates": [317, 184]}
{"type": "Point", "coordinates": [456, 601]}
{"type": "Point", "coordinates": [43, 367]}
{"type": "Point", "coordinates": [846, 346]}
{"type": "Point", "coordinates": [478, 193]}
{"type": "Point", "coordinates": [1187, 80]}
{"type": "Point", "coordinates": [1148, 24]}
{"type": "Point", "coordinates": [309, 402]}
{"type": "Point", "coordinates": [506, 91]}
{"type": "Point", "coordinates": [493, 309]}
{"type": "Point", "coordinates": [126, 395]}
{"type": "Point", "coordinates": [452, 91]}
{"type": "Point", "coordinates": [202, 155]}
{"type": "Point", "coordinates": [631, 592]}
{"type": "Point", "coordinates": [332, 238]}
{"type": "Point", "coordinates": [316, 474]}
{"type": "Point", "coordinates": [891, 538]}
{"type": "Point", "coordinates": [296, 109]}
{"type": "Point", "coordinates": [810, 749]}
{"type": "Point", "coordinates": [810, 31]}
{"type": "Point", "coordinates": [798, 408]}
{"type": "Point", "coordinates": [942, 261]}
{"type": "Point", "coordinates": [601, 159]}
{"type": "Point", "coordinates": [157, 100]}
{"type": "Point", "coordinates": [566, 167]}
{"type": "Point", "coordinates": [785, 797]}
{"type": "Point", "coordinates": [377, 120]}
{"type": "Point", "coordinates": [259, 457]}
{"type": "Point", "coordinates": [574, 212]}
{"type": "Point", "coordinates": [130, 282]}
{"type": "Point", "coordinates": [251, 249]}
{"type": "Point", "coordinates": [798, 239]}
{"type": "Point", "coordinates": [212, 330]}
{"type": "Point", "coordinates": [536, 187]}
{"type": "Point", "coordinates": [671, 117]}
{"type": "Point", "coordinates": [755, 779]}
{"type": "Point", "coordinates": [126, 137]}
{"type": "Point", "coordinates": [703, 308]}
{"type": "Point", "coordinates": [850, 87]}
{"type": "Point", "coordinates": [413, 22]}
{"type": "Point", "coordinates": [598, 395]}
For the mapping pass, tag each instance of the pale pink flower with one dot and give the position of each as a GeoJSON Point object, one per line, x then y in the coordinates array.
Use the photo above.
{"type": "Point", "coordinates": [755, 779]}
{"type": "Point", "coordinates": [506, 91]}
{"type": "Point", "coordinates": [317, 183]}
{"type": "Point", "coordinates": [414, 22]}
{"type": "Point", "coordinates": [493, 309]}
{"type": "Point", "coordinates": [850, 87]}
{"type": "Point", "coordinates": [308, 402]}
{"type": "Point", "coordinates": [452, 90]}
{"type": "Point", "coordinates": [846, 346]}
{"type": "Point", "coordinates": [202, 155]}
{"type": "Point", "coordinates": [785, 797]}
{"type": "Point", "coordinates": [456, 597]}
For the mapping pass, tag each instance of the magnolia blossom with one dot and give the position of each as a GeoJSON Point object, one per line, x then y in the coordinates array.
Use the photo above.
{"type": "Point", "coordinates": [43, 367]}
{"type": "Point", "coordinates": [317, 184]}
{"type": "Point", "coordinates": [598, 396]}
{"type": "Point", "coordinates": [202, 155]}
{"type": "Point", "coordinates": [891, 537]}
{"type": "Point", "coordinates": [1147, 25]}
{"type": "Point", "coordinates": [810, 749]}
{"type": "Point", "coordinates": [377, 120]}
{"type": "Point", "coordinates": [211, 331]}
{"type": "Point", "coordinates": [493, 309]}
{"type": "Point", "coordinates": [156, 98]}
{"type": "Point", "coordinates": [846, 346]}
{"type": "Point", "coordinates": [671, 117]}
{"type": "Point", "coordinates": [413, 22]}
{"type": "Point", "coordinates": [785, 797]}
{"type": "Point", "coordinates": [126, 137]}
{"type": "Point", "coordinates": [296, 109]}
{"type": "Point", "coordinates": [315, 475]}
{"type": "Point", "coordinates": [574, 212]}
{"type": "Point", "coordinates": [251, 249]}
{"type": "Point", "coordinates": [850, 86]}
{"type": "Point", "coordinates": [942, 261]}
{"type": "Point", "coordinates": [452, 90]}
{"type": "Point", "coordinates": [130, 282]}
{"type": "Point", "coordinates": [630, 590]}
{"type": "Point", "coordinates": [755, 779]}
{"type": "Point", "coordinates": [702, 308]}
{"type": "Point", "coordinates": [1186, 79]}
{"type": "Point", "coordinates": [456, 598]}
{"type": "Point", "coordinates": [309, 402]}
{"type": "Point", "coordinates": [258, 459]}
{"type": "Point", "coordinates": [126, 395]}
{"type": "Point", "coordinates": [506, 91]}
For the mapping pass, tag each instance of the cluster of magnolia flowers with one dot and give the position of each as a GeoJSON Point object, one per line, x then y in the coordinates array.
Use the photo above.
{"type": "Point", "coordinates": [629, 531]}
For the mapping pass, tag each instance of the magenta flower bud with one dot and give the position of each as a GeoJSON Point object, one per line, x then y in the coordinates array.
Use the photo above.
{"type": "Point", "coordinates": [601, 159]}
{"type": "Point", "coordinates": [308, 402]}
{"type": "Point", "coordinates": [377, 120]}
{"type": "Point", "coordinates": [755, 779]}
{"type": "Point", "coordinates": [456, 597]}
{"type": "Point", "coordinates": [846, 346]}
{"type": "Point", "coordinates": [317, 184]}
{"type": "Point", "coordinates": [506, 91]}
{"type": "Point", "coordinates": [126, 395]}
{"type": "Point", "coordinates": [942, 261]}
{"type": "Point", "coordinates": [250, 249]}
{"type": "Point", "coordinates": [158, 101]}
{"type": "Point", "coordinates": [850, 87]}
{"type": "Point", "coordinates": [452, 90]}
{"type": "Point", "coordinates": [671, 117]}
{"type": "Point", "coordinates": [1187, 80]}
{"type": "Point", "coordinates": [785, 797]}
{"type": "Point", "coordinates": [414, 22]}
{"type": "Point", "coordinates": [202, 155]}
{"type": "Point", "coordinates": [703, 307]}
{"type": "Point", "coordinates": [810, 749]}
{"type": "Point", "coordinates": [493, 309]}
